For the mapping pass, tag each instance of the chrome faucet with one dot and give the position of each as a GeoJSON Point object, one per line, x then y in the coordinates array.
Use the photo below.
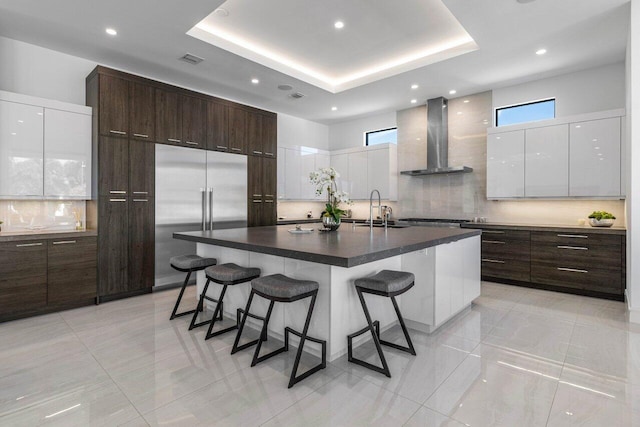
{"type": "Point", "coordinates": [379, 210]}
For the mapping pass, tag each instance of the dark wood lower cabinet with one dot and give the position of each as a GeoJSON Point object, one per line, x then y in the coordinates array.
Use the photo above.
{"type": "Point", "coordinates": [141, 244]}
{"type": "Point", "coordinates": [113, 243]}
{"type": "Point", "coordinates": [23, 277]}
{"type": "Point", "coordinates": [262, 205]}
{"type": "Point", "coordinates": [578, 262]}
{"type": "Point", "coordinates": [72, 271]}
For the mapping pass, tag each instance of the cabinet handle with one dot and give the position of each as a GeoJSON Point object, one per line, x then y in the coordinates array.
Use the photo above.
{"type": "Point", "coordinates": [191, 143]}
{"type": "Point", "coordinates": [117, 132]}
{"type": "Point", "coordinates": [236, 149]}
{"type": "Point", "coordinates": [222, 147]}
{"type": "Point", "coordinates": [495, 261]}
{"type": "Point", "coordinates": [257, 201]}
{"type": "Point", "coordinates": [572, 270]}
{"type": "Point", "coordinates": [141, 135]}
{"type": "Point", "coordinates": [117, 200]}
{"type": "Point", "coordinates": [492, 232]}
{"type": "Point", "coordinates": [268, 154]}
{"type": "Point", "coordinates": [257, 152]}
{"type": "Point", "coordinates": [65, 242]}
{"type": "Point", "coordinates": [173, 140]}
{"type": "Point", "coordinates": [140, 192]}
{"type": "Point", "coordinates": [269, 195]}
{"type": "Point", "coordinates": [574, 236]}
{"type": "Point", "coordinates": [494, 242]}
{"type": "Point", "coordinates": [117, 192]}
{"type": "Point", "coordinates": [140, 200]}
{"type": "Point", "coordinates": [257, 195]}
{"type": "Point", "coordinates": [268, 201]}
{"type": "Point", "coordinates": [26, 245]}
{"type": "Point", "coordinates": [577, 248]}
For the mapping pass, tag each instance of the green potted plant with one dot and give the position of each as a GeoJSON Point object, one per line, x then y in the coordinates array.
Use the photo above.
{"type": "Point", "coordinates": [601, 219]}
{"type": "Point", "coordinates": [325, 180]}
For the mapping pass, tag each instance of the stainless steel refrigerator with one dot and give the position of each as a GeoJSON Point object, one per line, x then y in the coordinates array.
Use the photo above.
{"type": "Point", "coordinates": [195, 190]}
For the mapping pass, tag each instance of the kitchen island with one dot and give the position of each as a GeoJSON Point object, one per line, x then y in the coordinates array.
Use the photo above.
{"type": "Point", "coordinates": [445, 261]}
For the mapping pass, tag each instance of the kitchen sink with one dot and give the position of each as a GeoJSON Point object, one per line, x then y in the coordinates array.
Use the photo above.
{"type": "Point", "coordinates": [382, 225]}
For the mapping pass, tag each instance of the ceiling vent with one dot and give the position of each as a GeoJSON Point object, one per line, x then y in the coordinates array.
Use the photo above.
{"type": "Point", "coordinates": [191, 59]}
{"type": "Point", "coordinates": [296, 95]}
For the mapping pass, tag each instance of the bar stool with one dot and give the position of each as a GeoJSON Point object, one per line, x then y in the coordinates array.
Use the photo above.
{"type": "Point", "coordinates": [188, 264]}
{"type": "Point", "coordinates": [226, 275]}
{"type": "Point", "coordinates": [387, 283]}
{"type": "Point", "coordinates": [278, 287]}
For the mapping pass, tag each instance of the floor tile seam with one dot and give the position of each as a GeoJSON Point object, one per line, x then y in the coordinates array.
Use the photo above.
{"type": "Point", "coordinates": [413, 414]}
{"type": "Point", "coordinates": [555, 393]}
{"type": "Point", "coordinates": [151, 411]}
{"type": "Point", "coordinates": [108, 374]}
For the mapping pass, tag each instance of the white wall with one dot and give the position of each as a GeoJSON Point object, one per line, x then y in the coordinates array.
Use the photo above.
{"type": "Point", "coordinates": [36, 71]}
{"type": "Point", "coordinates": [294, 131]}
{"type": "Point", "coordinates": [633, 155]}
{"type": "Point", "coordinates": [596, 89]}
{"type": "Point", "coordinates": [350, 134]}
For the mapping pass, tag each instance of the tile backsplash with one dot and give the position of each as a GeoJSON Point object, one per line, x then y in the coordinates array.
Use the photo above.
{"type": "Point", "coordinates": [49, 215]}
{"type": "Point", "coordinates": [298, 210]}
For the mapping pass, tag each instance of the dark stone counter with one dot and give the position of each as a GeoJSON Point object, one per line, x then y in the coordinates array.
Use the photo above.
{"type": "Point", "coordinates": [621, 231]}
{"type": "Point", "coordinates": [347, 247]}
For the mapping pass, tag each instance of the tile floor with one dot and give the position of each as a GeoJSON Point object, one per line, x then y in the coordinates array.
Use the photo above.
{"type": "Point", "coordinates": [518, 357]}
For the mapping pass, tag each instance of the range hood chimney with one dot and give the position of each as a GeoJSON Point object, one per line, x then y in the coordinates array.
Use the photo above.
{"type": "Point", "coordinates": [438, 141]}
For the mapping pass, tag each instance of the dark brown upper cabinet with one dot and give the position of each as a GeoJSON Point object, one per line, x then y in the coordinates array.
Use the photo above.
{"type": "Point", "coordinates": [168, 117]}
{"type": "Point", "coordinates": [142, 177]}
{"type": "Point", "coordinates": [142, 111]}
{"type": "Point", "coordinates": [194, 121]}
{"type": "Point", "coordinates": [254, 134]}
{"type": "Point", "coordinates": [217, 126]}
{"type": "Point", "coordinates": [113, 171]}
{"type": "Point", "coordinates": [269, 189]}
{"type": "Point", "coordinates": [113, 106]}
{"type": "Point", "coordinates": [261, 134]}
{"type": "Point", "coordinates": [261, 191]}
{"type": "Point", "coordinates": [269, 136]}
{"type": "Point", "coordinates": [238, 125]}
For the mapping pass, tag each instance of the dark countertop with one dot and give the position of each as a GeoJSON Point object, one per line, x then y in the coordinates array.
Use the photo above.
{"type": "Point", "coordinates": [20, 236]}
{"type": "Point", "coordinates": [621, 231]}
{"type": "Point", "coordinates": [347, 247]}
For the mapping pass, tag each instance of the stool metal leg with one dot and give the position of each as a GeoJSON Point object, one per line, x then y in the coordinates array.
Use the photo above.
{"type": "Point", "coordinates": [256, 355]}
{"type": "Point", "coordinates": [237, 347]}
{"type": "Point", "coordinates": [408, 349]}
{"type": "Point", "coordinates": [376, 341]}
{"type": "Point", "coordinates": [217, 311]}
{"type": "Point", "coordinates": [200, 307]}
{"type": "Point", "coordinates": [174, 313]}
{"type": "Point", "coordinates": [293, 379]}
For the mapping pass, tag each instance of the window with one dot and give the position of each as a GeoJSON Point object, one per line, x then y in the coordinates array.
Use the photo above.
{"type": "Point", "coordinates": [382, 136]}
{"type": "Point", "coordinates": [529, 112]}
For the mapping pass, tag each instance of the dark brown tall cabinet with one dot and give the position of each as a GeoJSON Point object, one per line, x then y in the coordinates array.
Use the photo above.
{"type": "Point", "coordinates": [262, 191]}
{"type": "Point", "coordinates": [125, 167]}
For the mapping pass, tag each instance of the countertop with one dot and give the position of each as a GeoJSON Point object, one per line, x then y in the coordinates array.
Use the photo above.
{"type": "Point", "coordinates": [20, 236]}
{"type": "Point", "coordinates": [621, 231]}
{"type": "Point", "coordinates": [347, 247]}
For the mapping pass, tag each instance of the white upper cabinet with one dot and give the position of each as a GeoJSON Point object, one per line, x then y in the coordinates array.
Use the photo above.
{"type": "Point", "coordinates": [505, 165]}
{"type": "Point", "coordinates": [21, 149]}
{"type": "Point", "coordinates": [294, 167]}
{"type": "Point", "coordinates": [382, 170]}
{"type": "Point", "coordinates": [281, 168]}
{"type": "Point", "coordinates": [292, 174]}
{"type": "Point", "coordinates": [67, 154]}
{"type": "Point", "coordinates": [595, 158]}
{"type": "Point", "coordinates": [358, 173]}
{"type": "Point", "coordinates": [307, 165]}
{"type": "Point", "coordinates": [546, 171]}
{"type": "Point", "coordinates": [45, 148]}
{"type": "Point", "coordinates": [340, 162]}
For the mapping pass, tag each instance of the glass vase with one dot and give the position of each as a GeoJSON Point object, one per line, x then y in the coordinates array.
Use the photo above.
{"type": "Point", "coordinates": [330, 223]}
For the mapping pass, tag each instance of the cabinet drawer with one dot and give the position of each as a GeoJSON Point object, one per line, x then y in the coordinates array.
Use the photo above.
{"type": "Point", "coordinates": [507, 235]}
{"type": "Point", "coordinates": [72, 270]}
{"type": "Point", "coordinates": [577, 255]}
{"type": "Point", "coordinates": [577, 239]}
{"type": "Point", "coordinates": [506, 268]}
{"type": "Point", "coordinates": [500, 248]}
{"type": "Point", "coordinates": [591, 279]}
{"type": "Point", "coordinates": [23, 276]}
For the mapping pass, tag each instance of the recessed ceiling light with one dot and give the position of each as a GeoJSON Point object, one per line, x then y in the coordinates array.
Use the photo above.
{"type": "Point", "coordinates": [525, 1]}
{"type": "Point", "coordinates": [255, 81]}
{"type": "Point", "coordinates": [339, 25]}
{"type": "Point", "coordinates": [452, 92]}
{"type": "Point", "coordinates": [334, 108]}
{"type": "Point", "coordinates": [541, 51]}
{"type": "Point", "coordinates": [413, 101]}
{"type": "Point", "coordinates": [111, 32]}
{"type": "Point", "coordinates": [466, 101]}
{"type": "Point", "coordinates": [414, 86]}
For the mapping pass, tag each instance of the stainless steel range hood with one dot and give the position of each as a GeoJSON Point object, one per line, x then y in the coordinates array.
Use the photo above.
{"type": "Point", "coordinates": [438, 141]}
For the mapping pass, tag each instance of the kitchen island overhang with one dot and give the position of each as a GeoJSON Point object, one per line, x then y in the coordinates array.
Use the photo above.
{"type": "Point", "coordinates": [445, 261]}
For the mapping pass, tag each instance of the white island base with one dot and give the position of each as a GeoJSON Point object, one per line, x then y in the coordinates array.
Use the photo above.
{"type": "Point", "coordinates": [447, 281]}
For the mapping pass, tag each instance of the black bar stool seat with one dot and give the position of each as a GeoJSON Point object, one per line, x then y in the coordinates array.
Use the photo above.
{"type": "Point", "coordinates": [226, 275]}
{"type": "Point", "coordinates": [278, 287]}
{"type": "Point", "coordinates": [386, 283]}
{"type": "Point", "coordinates": [188, 264]}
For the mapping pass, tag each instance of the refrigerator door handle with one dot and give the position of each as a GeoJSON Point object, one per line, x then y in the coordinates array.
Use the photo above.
{"type": "Point", "coordinates": [204, 209]}
{"type": "Point", "coordinates": [210, 208]}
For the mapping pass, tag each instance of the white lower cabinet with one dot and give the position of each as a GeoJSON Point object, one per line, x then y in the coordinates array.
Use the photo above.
{"type": "Point", "coordinates": [595, 158]}
{"type": "Point", "coordinates": [67, 154]}
{"type": "Point", "coordinates": [505, 165]}
{"type": "Point", "coordinates": [546, 171]}
{"type": "Point", "coordinates": [21, 149]}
